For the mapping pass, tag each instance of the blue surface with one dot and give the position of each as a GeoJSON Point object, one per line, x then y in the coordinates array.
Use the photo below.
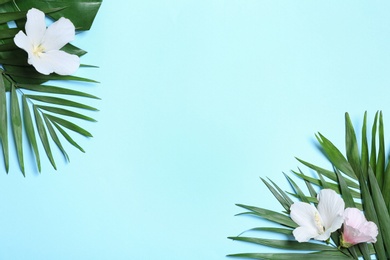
{"type": "Point", "coordinates": [199, 100]}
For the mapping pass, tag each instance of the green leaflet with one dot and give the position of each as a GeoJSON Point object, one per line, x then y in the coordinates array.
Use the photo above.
{"type": "Point", "coordinates": [66, 112]}
{"type": "Point", "coordinates": [67, 137]}
{"type": "Point", "coordinates": [380, 208]}
{"type": "Point", "coordinates": [55, 90]}
{"type": "Point", "coordinates": [16, 122]}
{"type": "Point", "coordinates": [29, 127]}
{"type": "Point", "coordinates": [69, 125]}
{"type": "Point", "coordinates": [279, 195]}
{"type": "Point", "coordinates": [335, 156]}
{"type": "Point", "coordinates": [43, 135]}
{"type": "Point", "coordinates": [3, 123]}
{"type": "Point", "coordinates": [380, 163]}
{"type": "Point", "coordinates": [60, 101]}
{"type": "Point", "coordinates": [284, 231]}
{"type": "Point", "coordinates": [54, 136]}
{"type": "Point", "coordinates": [25, 74]}
{"type": "Point", "coordinates": [288, 256]}
{"type": "Point", "coordinates": [285, 244]}
{"type": "Point", "coordinates": [329, 174]}
{"type": "Point", "coordinates": [297, 190]}
{"type": "Point", "coordinates": [364, 156]}
{"type": "Point", "coordinates": [270, 215]}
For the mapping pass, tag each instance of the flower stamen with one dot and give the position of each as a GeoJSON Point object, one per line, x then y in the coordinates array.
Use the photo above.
{"type": "Point", "coordinates": [38, 50]}
{"type": "Point", "coordinates": [318, 222]}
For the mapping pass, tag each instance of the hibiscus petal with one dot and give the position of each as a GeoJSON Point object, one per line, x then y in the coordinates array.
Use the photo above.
{"type": "Point", "coordinates": [22, 41]}
{"type": "Point", "coordinates": [35, 26]}
{"type": "Point", "coordinates": [324, 236]}
{"type": "Point", "coordinates": [331, 208]}
{"type": "Point", "coordinates": [357, 229]}
{"type": "Point", "coordinates": [370, 229]}
{"type": "Point", "coordinates": [59, 62]}
{"type": "Point", "coordinates": [303, 214]}
{"type": "Point", "coordinates": [354, 217]}
{"type": "Point", "coordinates": [58, 34]}
{"type": "Point", "coordinates": [304, 234]}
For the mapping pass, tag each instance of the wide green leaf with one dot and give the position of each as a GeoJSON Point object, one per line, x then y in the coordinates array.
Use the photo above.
{"type": "Point", "coordinates": [88, 9]}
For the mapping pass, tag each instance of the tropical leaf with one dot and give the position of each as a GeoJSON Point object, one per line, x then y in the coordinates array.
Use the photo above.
{"type": "Point", "coordinates": [361, 178]}
{"type": "Point", "coordinates": [35, 107]}
{"type": "Point", "coordinates": [88, 9]}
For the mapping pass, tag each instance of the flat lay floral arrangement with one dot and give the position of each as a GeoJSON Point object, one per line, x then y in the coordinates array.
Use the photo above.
{"type": "Point", "coordinates": [345, 212]}
{"type": "Point", "coordinates": [35, 53]}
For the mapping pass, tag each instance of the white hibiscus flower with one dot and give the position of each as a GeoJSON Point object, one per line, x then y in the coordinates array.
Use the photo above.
{"type": "Point", "coordinates": [320, 222]}
{"type": "Point", "coordinates": [43, 44]}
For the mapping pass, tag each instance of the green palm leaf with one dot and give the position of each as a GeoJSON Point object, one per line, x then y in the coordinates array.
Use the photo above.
{"type": "Point", "coordinates": [36, 108]}
{"type": "Point", "coordinates": [357, 177]}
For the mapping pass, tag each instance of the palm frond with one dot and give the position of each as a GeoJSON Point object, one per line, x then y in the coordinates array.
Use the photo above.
{"type": "Point", "coordinates": [40, 110]}
{"type": "Point", "coordinates": [360, 177]}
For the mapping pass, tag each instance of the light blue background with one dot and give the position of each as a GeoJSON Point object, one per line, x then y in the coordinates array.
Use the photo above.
{"type": "Point", "coordinates": [199, 100]}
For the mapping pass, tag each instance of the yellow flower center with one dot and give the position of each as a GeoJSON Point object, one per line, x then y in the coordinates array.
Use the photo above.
{"type": "Point", "coordinates": [317, 220]}
{"type": "Point", "coordinates": [38, 50]}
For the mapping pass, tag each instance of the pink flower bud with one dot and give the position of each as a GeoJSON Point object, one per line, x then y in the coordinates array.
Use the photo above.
{"type": "Point", "coordinates": [357, 229]}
